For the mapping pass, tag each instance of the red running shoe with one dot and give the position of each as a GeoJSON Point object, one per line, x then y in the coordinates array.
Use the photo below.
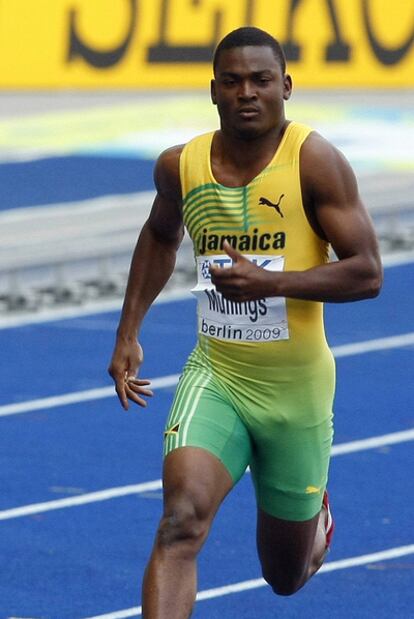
{"type": "Point", "coordinates": [329, 521]}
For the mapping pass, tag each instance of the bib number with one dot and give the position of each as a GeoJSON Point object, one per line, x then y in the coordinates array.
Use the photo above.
{"type": "Point", "coordinates": [263, 320]}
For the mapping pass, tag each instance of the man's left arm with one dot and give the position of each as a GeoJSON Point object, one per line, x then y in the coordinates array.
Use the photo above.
{"type": "Point", "coordinates": [331, 199]}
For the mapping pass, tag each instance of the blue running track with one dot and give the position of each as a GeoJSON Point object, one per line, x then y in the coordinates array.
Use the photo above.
{"type": "Point", "coordinates": [67, 561]}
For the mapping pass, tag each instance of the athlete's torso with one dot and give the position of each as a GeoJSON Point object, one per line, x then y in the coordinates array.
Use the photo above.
{"type": "Point", "coordinates": [266, 221]}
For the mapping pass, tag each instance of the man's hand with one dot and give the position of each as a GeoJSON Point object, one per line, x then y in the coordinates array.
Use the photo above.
{"type": "Point", "coordinates": [243, 281]}
{"type": "Point", "coordinates": [126, 360]}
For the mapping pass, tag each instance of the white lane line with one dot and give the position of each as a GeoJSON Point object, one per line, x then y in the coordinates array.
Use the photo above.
{"type": "Point", "coordinates": [383, 343]}
{"type": "Point", "coordinates": [101, 307]}
{"type": "Point", "coordinates": [161, 382]}
{"type": "Point", "coordinates": [346, 350]}
{"type": "Point", "coordinates": [119, 491]}
{"type": "Point", "coordinates": [82, 499]}
{"type": "Point", "coordinates": [373, 443]}
{"type": "Point", "coordinates": [238, 587]}
{"type": "Point", "coordinates": [89, 309]}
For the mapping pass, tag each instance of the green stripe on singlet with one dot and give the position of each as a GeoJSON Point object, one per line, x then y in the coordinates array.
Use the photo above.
{"type": "Point", "coordinates": [211, 195]}
{"type": "Point", "coordinates": [205, 208]}
{"type": "Point", "coordinates": [245, 209]}
{"type": "Point", "coordinates": [214, 186]}
{"type": "Point", "coordinates": [214, 202]}
{"type": "Point", "coordinates": [209, 204]}
{"type": "Point", "coordinates": [215, 214]}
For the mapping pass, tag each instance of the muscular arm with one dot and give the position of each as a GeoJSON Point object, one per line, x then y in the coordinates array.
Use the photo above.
{"type": "Point", "coordinates": [152, 264]}
{"type": "Point", "coordinates": [331, 199]}
{"type": "Point", "coordinates": [154, 256]}
{"type": "Point", "coordinates": [331, 196]}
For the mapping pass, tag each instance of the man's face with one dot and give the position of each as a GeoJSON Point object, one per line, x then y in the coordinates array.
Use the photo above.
{"type": "Point", "coordinates": [249, 90]}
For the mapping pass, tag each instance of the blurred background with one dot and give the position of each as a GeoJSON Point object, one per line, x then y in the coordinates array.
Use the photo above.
{"type": "Point", "coordinates": [93, 90]}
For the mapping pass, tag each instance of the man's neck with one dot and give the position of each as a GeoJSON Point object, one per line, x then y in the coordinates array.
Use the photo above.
{"type": "Point", "coordinates": [236, 161]}
{"type": "Point", "coordinates": [240, 151]}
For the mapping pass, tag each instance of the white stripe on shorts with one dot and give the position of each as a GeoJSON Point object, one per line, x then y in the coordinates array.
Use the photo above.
{"type": "Point", "coordinates": [177, 409]}
{"type": "Point", "coordinates": [195, 402]}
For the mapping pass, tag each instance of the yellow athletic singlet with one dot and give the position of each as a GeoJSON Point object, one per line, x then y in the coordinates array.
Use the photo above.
{"type": "Point", "coordinates": [258, 388]}
{"type": "Point", "coordinates": [265, 221]}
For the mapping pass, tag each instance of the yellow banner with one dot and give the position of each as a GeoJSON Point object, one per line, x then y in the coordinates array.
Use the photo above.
{"type": "Point", "coordinates": [169, 43]}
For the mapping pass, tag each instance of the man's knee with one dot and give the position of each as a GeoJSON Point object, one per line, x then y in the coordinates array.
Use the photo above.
{"type": "Point", "coordinates": [285, 582]}
{"type": "Point", "coordinates": [286, 551]}
{"type": "Point", "coordinates": [182, 526]}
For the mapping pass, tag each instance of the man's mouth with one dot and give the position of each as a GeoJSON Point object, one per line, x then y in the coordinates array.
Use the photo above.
{"type": "Point", "coordinates": [248, 112]}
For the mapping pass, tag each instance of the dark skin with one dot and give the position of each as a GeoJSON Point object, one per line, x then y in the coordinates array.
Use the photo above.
{"type": "Point", "coordinates": [249, 90]}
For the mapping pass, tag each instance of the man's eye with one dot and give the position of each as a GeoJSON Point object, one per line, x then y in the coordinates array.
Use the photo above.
{"type": "Point", "coordinates": [229, 82]}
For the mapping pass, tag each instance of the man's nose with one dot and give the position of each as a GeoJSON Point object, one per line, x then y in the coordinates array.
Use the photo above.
{"type": "Point", "coordinates": [247, 90]}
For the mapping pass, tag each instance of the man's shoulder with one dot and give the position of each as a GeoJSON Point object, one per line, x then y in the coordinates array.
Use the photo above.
{"type": "Point", "coordinates": [173, 153]}
{"type": "Point", "coordinates": [170, 155]}
{"type": "Point", "coordinates": [167, 171]}
{"type": "Point", "coordinates": [167, 166]}
{"type": "Point", "coordinates": [318, 153]}
{"type": "Point", "coordinates": [318, 146]}
{"type": "Point", "coordinates": [324, 168]}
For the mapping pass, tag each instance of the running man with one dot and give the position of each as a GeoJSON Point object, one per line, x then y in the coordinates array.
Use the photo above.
{"type": "Point", "coordinates": [262, 198]}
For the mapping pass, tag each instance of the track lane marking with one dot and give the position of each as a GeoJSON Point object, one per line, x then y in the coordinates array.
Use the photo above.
{"type": "Point", "coordinates": [373, 442]}
{"type": "Point", "coordinates": [383, 343]}
{"type": "Point", "coordinates": [89, 309]}
{"type": "Point", "coordinates": [81, 499]}
{"type": "Point", "coordinates": [156, 484]}
{"type": "Point", "coordinates": [162, 382]}
{"type": "Point", "coordinates": [345, 350]}
{"type": "Point", "coordinates": [256, 583]}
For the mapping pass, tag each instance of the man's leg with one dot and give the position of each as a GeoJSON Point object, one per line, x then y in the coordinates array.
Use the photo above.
{"type": "Point", "coordinates": [290, 552]}
{"type": "Point", "coordinates": [195, 484]}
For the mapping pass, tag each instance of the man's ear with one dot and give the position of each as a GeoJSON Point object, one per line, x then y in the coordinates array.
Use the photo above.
{"type": "Point", "coordinates": [287, 86]}
{"type": "Point", "coordinates": [213, 92]}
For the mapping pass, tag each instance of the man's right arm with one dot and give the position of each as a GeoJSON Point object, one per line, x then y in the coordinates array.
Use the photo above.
{"type": "Point", "coordinates": [152, 264]}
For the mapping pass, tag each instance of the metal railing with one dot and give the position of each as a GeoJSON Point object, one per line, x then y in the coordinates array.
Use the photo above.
{"type": "Point", "coordinates": [74, 252]}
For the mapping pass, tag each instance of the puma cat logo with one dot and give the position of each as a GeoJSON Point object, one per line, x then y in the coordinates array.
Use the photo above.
{"type": "Point", "coordinates": [276, 206]}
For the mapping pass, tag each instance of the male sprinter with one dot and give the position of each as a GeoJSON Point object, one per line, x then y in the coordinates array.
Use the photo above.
{"type": "Point", "coordinates": [262, 198]}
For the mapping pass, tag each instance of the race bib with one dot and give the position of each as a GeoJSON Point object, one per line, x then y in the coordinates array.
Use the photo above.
{"type": "Point", "coordinates": [263, 320]}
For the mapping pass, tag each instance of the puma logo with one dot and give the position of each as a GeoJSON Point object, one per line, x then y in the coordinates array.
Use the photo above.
{"type": "Point", "coordinates": [276, 206]}
{"type": "Point", "coordinates": [312, 490]}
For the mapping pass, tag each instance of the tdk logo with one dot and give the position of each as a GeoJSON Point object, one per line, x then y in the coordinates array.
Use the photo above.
{"type": "Point", "coordinates": [224, 262]}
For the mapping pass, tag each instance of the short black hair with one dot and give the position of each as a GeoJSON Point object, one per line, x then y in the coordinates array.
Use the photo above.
{"type": "Point", "coordinates": [246, 36]}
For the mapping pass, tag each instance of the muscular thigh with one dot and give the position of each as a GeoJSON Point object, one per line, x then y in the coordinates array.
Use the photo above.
{"type": "Point", "coordinates": [290, 470]}
{"type": "Point", "coordinates": [202, 416]}
{"type": "Point", "coordinates": [292, 434]}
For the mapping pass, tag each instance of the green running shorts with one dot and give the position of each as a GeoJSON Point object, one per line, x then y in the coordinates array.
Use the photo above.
{"type": "Point", "coordinates": [282, 430]}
